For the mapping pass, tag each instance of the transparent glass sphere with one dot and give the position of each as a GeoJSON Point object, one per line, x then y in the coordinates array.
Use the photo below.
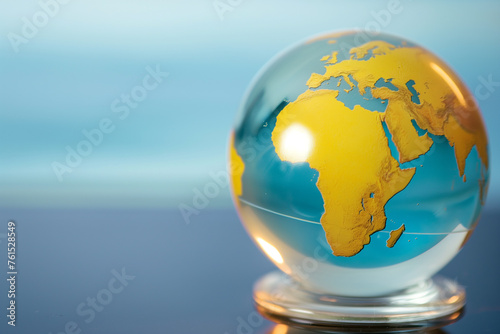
{"type": "Point", "coordinates": [359, 163]}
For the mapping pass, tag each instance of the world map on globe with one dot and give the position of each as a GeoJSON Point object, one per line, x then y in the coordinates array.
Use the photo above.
{"type": "Point", "coordinates": [381, 116]}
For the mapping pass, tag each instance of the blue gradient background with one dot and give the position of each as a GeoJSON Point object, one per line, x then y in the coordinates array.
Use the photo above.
{"type": "Point", "coordinates": [120, 207]}
{"type": "Point", "coordinates": [65, 78]}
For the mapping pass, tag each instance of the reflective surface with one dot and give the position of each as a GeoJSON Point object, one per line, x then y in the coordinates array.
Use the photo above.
{"type": "Point", "coordinates": [284, 329]}
{"type": "Point", "coordinates": [360, 159]}
{"type": "Point", "coordinates": [194, 278]}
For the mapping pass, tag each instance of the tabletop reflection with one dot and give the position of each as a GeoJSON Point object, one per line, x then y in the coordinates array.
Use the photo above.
{"type": "Point", "coordinates": [297, 326]}
{"type": "Point", "coordinates": [285, 329]}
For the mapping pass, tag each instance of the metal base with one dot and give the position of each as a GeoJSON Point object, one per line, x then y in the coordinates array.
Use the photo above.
{"type": "Point", "coordinates": [431, 304]}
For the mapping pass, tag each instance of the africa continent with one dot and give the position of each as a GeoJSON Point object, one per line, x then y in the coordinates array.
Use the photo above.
{"type": "Point", "coordinates": [357, 173]}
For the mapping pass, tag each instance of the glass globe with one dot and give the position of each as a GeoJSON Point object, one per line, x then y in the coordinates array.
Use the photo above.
{"type": "Point", "coordinates": [359, 163]}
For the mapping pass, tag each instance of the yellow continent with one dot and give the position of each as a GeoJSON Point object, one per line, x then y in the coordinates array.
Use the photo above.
{"type": "Point", "coordinates": [349, 148]}
{"type": "Point", "coordinates": [357, 173]}
{"type": "Point", "coordinates": [236, 168]}
{"type": "Point", "coordinates": [446, 106]}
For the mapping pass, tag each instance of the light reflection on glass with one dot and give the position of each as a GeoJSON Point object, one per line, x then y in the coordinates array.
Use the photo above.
{"type": "Point", "coordinates": [450, 83]}
{"type": "Point", "coordinates": [280, 329]}
{"type": "Point", "coordinates": [296, 143]}
{"type": "Point", "coordinates": [270, 250]}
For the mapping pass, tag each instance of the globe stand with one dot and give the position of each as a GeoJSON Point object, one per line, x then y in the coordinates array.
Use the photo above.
{"type": "Point", "coordinates": [432, 303]}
